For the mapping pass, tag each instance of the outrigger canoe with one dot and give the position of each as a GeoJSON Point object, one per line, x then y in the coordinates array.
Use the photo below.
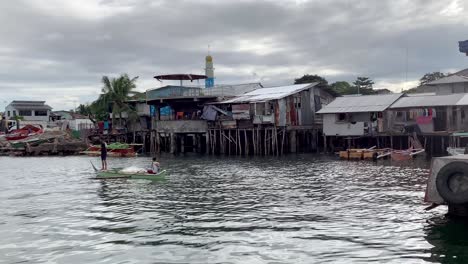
{"type": "Point", "coordinates": [116, 174]}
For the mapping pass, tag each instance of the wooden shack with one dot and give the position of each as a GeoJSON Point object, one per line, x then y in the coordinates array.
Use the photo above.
{"type": "Point", "coordinates": [269, 121]}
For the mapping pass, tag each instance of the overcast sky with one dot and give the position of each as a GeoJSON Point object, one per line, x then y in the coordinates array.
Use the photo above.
{"type": "Point", "coordinates": [58, 50]}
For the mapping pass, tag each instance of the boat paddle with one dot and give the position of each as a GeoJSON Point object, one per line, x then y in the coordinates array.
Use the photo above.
{"type": "Point", "coordinates": [95, 169]}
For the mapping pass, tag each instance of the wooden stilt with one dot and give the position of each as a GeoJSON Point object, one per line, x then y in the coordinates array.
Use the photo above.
{"type": "Point", "coordinates": [229, 149]}
{"type": "Point", "coordinates": [282, 141]}
{"type": "Point", "coordinates": [246, 142]}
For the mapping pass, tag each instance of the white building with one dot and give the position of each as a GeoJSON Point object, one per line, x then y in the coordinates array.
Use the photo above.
{"type": "Point", "coordinates": [73, 120]}
{"type": "Point", "coordinates": [28, 110]}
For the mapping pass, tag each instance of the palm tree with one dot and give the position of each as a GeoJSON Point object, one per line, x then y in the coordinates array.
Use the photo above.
{"type": "Point", "coordinates": [115, 93]}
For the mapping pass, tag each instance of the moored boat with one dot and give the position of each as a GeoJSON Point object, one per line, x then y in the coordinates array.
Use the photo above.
{"type": "Point", "coordinates": [113, 150]}
{"type": "Point", "coordinates": [23, 133]}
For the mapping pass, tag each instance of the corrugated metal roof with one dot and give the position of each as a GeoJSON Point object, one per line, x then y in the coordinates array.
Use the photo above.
{"type": "Point", "coordinates": [463, 100]}
{"type": "Point", "coordinates": [430, 100]}
{"type": "Point", "coordinates": [267, 94]}
{"type": "Point", "coordinates": [363, 103]}
{"type": "Point", "coordinates": [454, 78]}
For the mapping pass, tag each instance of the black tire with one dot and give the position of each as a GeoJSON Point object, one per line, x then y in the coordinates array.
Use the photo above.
{"type": "Point", "coordinates": [452, 182]}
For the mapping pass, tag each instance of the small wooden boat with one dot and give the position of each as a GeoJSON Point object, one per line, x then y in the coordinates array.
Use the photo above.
{"type": "Point", "coordinates": [402, 155]}
{"type": "Point", "coordinates": [117, 174]}
{"type": "Point", "coordinates": [113, 150]}
{"type": "Point", "coordinates": [23, 133]}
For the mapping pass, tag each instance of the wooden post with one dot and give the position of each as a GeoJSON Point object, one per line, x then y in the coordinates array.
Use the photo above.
{"type": "Point", "coordinates": [443, 145]}
{"type": "Point", "coordinates": [173, 143]}
{"type": "Point", "coordinates": [266, 143]}
{"type": "Point", "coordinates": [391, 142]}
{"type": "Point", "coordinates": [239, 142]}
{"type": "Point", "coordinates": [229, 142]}
{"type": "Point", "coordinates": [325, 150]}
{"type": "Point", "coordinates": [182, 143]}
{"type": "Point", "coordinates": [158, 142]}
{"type": "Point", "coordinates": [221, 142]}
{"type": "Point", "coordinates": [207, 141]}
{"type": "Point", "coordinates": [432, 145]}
{"type": "Point", "coordinates": [292, 141]}
{"type": "Point", "coordinates": [282, 141]}
{"type": "Point", "coordinates": [254, 141]}
{"type": "Point", "coordinates": [246, 143]}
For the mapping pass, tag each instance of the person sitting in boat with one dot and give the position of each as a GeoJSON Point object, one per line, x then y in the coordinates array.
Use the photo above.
{"type": "Point", "coordinates": [154, 167]}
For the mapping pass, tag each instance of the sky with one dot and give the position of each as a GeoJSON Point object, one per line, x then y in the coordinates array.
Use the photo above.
{"type": "Point", "coordinates": [58, 51]}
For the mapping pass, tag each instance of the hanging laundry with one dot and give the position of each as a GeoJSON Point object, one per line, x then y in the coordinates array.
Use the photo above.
{"type": "Point", "coordinates": [424, 120]}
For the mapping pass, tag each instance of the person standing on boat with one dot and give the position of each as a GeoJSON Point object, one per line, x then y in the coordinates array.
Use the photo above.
{"type": "Point", "coordinates": [154, 167]}
{"type": "Point", "coordinates": [104, 155]}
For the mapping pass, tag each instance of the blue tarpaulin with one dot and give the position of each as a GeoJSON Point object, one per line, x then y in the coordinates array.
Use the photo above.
{"type": "Point", "coordinates": [463, 46]}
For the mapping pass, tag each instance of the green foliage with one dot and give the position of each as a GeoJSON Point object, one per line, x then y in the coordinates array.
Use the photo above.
{"type": "Point", "coordinates": [364, 85]}
{"type": "Point", "coordinates": [115, 94]}
{"type": "Point", "coordinates": [322, 82]}
{"type": "Point", "coordinates": [83, 109]}
{"type": "Point", "coordinates": [343, 87]}
{"type": "Point", "coordinates": [429, 77]}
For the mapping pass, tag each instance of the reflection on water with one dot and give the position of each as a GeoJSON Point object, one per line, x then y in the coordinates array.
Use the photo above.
{"type": "Point", "coordinates": [295, 209]}
{"type": "Point", "coordinates": [449, 240]}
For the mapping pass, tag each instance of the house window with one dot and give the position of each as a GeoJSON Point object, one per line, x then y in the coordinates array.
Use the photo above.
{"type": "Point", "coordinates": [25, 112]}
{"type": "Point", "coordinates": [9, 113]}
{"type": "Point", "coordinates": [341, 117]}
{"type": "Point", "coordinates": [40, 112]}
{"type": "Point", "coordinates": [14, 112]}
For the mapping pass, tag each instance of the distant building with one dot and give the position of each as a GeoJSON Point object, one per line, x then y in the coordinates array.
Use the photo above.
{"type": "Point", "coordinates": [357, 115]}
{"type": "Point", "coordinates": [75, 121]}
{"type": "Point", "coordinates": [431, 113]}
{"type": "Point", "coordinates": [282, 106]}
{"type": "Point", "coordinates": [28, 110]}
{"type": "Point", "coordinates": [454, 83]}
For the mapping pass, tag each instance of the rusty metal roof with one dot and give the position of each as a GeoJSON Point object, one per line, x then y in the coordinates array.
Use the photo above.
{"type": "Point", "coordinates": [360, 103]}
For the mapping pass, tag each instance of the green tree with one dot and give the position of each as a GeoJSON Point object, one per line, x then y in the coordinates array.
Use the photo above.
{"type": "Point", "coordinates": [430, 77]}
{"type": "Point", "coordinates": [342, 87]}
{"type": "Point", "coordinates": [364, 85]}
{"type": "Point", "coordinates": [83, 109]}
{"type": "Point", "coordinates": [114, 96]}
{"type": "Point", "coordinates": [322, 83]}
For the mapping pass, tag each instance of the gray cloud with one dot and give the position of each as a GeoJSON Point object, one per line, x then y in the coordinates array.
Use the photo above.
{"type": "Point", "coordinates": [63, 49]}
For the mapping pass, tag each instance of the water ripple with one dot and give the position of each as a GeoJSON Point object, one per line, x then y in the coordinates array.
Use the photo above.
{"type": "Point", "coordinates": [297, 209]}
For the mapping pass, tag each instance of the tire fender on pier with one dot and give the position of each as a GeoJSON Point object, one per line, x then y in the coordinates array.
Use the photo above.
{"type": "Point", "coordinates": [452, 182]}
